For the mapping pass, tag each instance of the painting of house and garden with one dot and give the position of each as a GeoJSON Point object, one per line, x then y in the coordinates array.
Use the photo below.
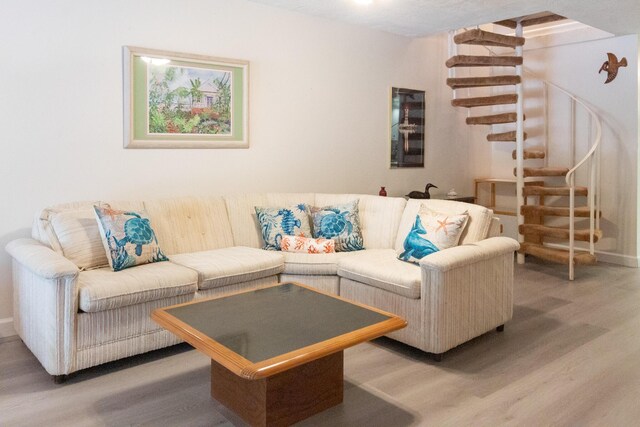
{"type": "Point", "coordinates": [187, 100]}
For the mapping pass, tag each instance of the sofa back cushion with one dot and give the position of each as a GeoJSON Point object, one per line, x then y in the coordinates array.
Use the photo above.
{"type": "Point", "coordinates": [71, 229]}
{"type": "Point", "coordinates": [477, 227]}
{"type": "Point", "coordinates": [242, 214]}
{"type": "Point", "coordinates": [379, 216]}
{"type": "Point", "coordinates": [190, 224]}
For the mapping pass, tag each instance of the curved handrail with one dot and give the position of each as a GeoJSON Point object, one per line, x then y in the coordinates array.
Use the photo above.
{"type": "Point", "coordinates": [598, 136]}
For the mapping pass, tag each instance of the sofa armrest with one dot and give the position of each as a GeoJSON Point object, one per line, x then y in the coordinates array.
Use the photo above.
{"type": "Point", "coordinates": [462, 255]}
{"type": "Point", "coordinates": [45, 303]}
{"type": "Point", "coordinates": [41, 260]}
{"type": "Point", "coordinates": [466, 291]}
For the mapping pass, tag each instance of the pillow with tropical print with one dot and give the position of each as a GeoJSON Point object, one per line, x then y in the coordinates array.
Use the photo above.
{"type": "Point", "coordinates": [432, 232]}
{"type": "Point", "coordinates": [278, 222]}
{"type": "Point", "coordinates": [307, 245]}
{"type": "Point", "coordinates": [127, 237]}
{"type": "Point", "coordinates": [341, 223]}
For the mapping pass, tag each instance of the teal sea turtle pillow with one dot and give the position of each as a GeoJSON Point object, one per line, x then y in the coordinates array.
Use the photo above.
{"type": "Point", "coordinates": [340, 223]}
{"type": "Point", "coordinates": [127, 237]}
{"type": "Point", "coordinates": [278, 222]}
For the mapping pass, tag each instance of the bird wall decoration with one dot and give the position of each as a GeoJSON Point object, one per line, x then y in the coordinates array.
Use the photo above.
{"type": "Point", "coordinates": [611, 66]}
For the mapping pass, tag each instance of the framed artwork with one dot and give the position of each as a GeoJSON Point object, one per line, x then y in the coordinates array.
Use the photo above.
{"type": "Point", "coordinates": [407, 128]}
{"type": "Point", "coordinates": [178, 100]}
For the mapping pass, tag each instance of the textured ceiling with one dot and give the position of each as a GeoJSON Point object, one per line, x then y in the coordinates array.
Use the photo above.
{"type": "Point", "coordinates": [415, 18]}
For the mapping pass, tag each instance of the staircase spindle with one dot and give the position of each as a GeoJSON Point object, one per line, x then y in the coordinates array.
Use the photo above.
{"type": "Point", "coordinates": [519, 144]}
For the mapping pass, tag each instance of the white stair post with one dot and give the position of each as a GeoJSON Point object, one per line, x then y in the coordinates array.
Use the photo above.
{"type": "Point", "coordinates": [453, 51]}
{"type": "Point", "coordinates": [519, 145]}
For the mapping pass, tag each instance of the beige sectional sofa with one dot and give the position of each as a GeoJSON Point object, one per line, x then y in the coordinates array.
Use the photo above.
{"type": "Point", "coordinates": [73, 312]}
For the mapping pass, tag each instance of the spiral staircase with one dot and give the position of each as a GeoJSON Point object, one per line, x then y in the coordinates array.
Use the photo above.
{"type": "Point", "coordinates": [535, 184]}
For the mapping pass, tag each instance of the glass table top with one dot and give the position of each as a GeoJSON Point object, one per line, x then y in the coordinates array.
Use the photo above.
{"type": "Point", "coordinates": [265, 323]}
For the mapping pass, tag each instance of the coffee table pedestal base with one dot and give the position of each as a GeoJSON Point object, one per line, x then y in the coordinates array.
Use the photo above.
{"type": "Point", "coordinates": [284, 398]}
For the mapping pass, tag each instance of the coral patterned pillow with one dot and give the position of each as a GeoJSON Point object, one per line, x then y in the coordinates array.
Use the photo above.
{"type": "Point", "coordinates": [307, 245]}
{"type": "Point", "coordinates": [127, 237]}
{"type": "Point", "coordinates": [276, 223]}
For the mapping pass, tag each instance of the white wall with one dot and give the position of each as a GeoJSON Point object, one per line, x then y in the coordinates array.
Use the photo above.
{"type": "Point", "coordinates": [575, 68]}
{"type": "Point", "coordinates": [319, 107]}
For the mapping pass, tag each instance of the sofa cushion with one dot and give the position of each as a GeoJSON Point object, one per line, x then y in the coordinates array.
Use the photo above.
{"type": "Point", "coordinates": [190, 224]}
{"type": "Point", "coordinates": [243, 218]}
{"type": "Point", "coordinates": [477, 227]}
{"type": "Point", "coordinates": [227, 266]}
{"type": "Point", "coordinates": [313, 264]}
{"type": "Point", "coordinates": [379, 216]}
{"type": "Point", "coordinates": [382, 269]}
{"type": "Point", "coordinates": [71, 229]}
{"type": "Point", "coordinates": [103, 289]}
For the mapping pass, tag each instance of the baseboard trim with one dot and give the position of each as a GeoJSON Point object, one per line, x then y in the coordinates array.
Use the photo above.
{"type": "Point", "coordinates": [608, 257]}
{"type": "Point", "coordinates": [6, 328]}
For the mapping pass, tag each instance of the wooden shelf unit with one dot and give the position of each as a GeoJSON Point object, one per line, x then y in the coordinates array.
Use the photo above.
{"type": "Point", "coordinates": [492, 191]}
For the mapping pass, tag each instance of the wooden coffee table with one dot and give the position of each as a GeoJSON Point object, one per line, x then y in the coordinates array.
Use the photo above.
{"type": "Point", "coordinates": [277, 352]}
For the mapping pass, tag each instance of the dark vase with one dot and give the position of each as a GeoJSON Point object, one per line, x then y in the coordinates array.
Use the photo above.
{"type": "Point", "coordinates": [382, 192]}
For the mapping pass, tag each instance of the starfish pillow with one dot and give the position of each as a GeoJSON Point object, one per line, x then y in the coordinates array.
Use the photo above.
{"type": "Point", "coordinates": [432, 232]}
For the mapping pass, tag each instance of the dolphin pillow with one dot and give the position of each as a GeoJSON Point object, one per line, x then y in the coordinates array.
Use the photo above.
{"type": "Point", "coordinates": [432, 232]}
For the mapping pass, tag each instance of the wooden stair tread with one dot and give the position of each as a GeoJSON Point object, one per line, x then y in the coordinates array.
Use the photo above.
{"type": "Point", "coordinates": [493, 119]}
{"type": "Point", "coordinates": [466, 82]}
{"type": "Point", "coordinates": [527, 21]}
{"type": "Point", "coordinates": [483, 101]}
{"type": "Point", "coordinates": [543, 171]}
{"type": "Point", "coordinates": [553, 191]}
{"type": "Point", "coordinates": [559, 232]}
{"type": "Point", "coordinates": [580, 212]}
{"type": "Point", "coordinates": [486, 38]}
{"type": "Point", "coordinates": [530, 154]}
{"type": "Point", "coordinates": [483, 61]}
{"type": "Point", "coordinates": [560, 256]}
{"type": "Point", "coordinates": [504, 136]}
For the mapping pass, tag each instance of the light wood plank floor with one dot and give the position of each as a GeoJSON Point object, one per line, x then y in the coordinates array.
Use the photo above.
{"type": "Point", "coordinates": [570, 356]}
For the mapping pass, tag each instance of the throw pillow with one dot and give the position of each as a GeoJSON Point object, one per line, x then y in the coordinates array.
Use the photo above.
{"type": "Point", "coordinates": [340, 223]}
{"type": "Point", "coordinates": [278, 222]}
{"type": "Point", "coordinates": [127, 237]}
{"type": "Point", "coordinates": [432, 232]}
{"type": "Point", "coordinates": [307, 245]}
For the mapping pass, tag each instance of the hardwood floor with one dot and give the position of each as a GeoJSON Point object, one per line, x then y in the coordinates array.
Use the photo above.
{"type": "Point", "coordinates": [570, 356]}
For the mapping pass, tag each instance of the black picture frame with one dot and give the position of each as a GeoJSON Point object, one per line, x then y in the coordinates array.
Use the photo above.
{"type": "Point", "coordinates": [407, 115]}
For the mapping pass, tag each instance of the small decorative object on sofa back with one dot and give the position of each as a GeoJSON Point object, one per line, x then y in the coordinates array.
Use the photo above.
{"type": "Point", "coordinates": [420, 194]}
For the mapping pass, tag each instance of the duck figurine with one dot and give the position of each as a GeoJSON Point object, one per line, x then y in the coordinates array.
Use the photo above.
{"type": "Point", "coordinates": [420, 194]}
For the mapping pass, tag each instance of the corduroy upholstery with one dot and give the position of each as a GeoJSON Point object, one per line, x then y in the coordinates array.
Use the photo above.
{"type": "Point", "coordinates": [382, 269]}
{"type": "Point", "coordinates": [228, 266]}
{"type": "Point", "coordinates": [73, 313]}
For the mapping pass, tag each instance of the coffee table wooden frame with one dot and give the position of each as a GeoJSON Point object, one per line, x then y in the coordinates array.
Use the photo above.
{"type": "Point", "coordinates": [313, 374]}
